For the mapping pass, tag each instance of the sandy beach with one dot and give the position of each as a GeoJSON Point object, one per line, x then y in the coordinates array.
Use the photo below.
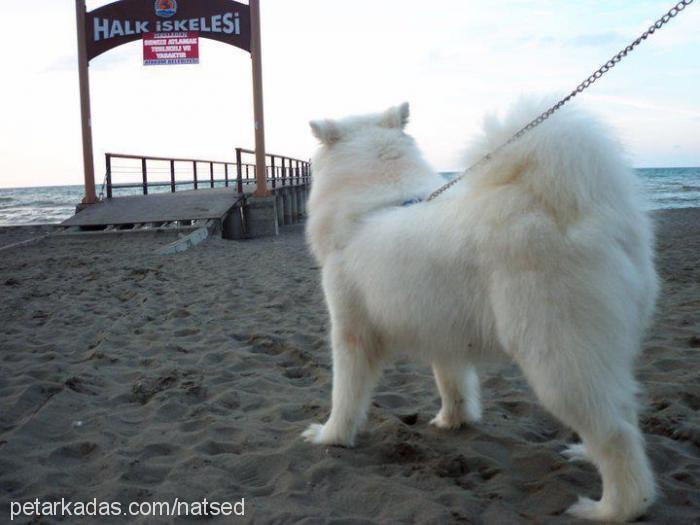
{"type": "Point", "coordinates": [129, 376]}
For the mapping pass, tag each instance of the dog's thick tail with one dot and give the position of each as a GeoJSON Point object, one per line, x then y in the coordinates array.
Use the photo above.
{"type": "Point", "coordinates": [569, 164]}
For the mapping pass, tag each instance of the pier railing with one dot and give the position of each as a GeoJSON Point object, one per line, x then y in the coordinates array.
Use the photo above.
{"type": "Point", "coordinates": [174, 173]}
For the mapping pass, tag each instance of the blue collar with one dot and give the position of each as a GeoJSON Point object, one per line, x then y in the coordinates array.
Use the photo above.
{"type": "Point", "coordinates": [411, 202]}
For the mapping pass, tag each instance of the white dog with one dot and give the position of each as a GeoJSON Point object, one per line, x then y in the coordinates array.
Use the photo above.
{"type": "Point", "coordinates": [545, 255]}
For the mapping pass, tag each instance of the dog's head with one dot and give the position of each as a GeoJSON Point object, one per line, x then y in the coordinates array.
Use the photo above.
{"type": "Point", "coordinates": [364, 146]}
{"type": "Point", "coordinates": [332, 132]}
{"type": "Point", "coordinates": [363, 164]}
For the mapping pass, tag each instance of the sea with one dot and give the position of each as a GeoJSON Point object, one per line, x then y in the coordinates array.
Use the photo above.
{"type": "Point", "coordinates": [665, 188]}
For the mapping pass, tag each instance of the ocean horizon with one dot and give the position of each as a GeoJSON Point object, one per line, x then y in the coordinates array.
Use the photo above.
{"type": "Point", "coordinates": [665, 188]}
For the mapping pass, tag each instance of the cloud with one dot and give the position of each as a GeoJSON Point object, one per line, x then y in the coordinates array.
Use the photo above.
{"type": "Point", "coordinates": [64, 64]}
{"type": "Point", "coordinates": [525, 40]}
{"type": "Point", "coordinates": [596, 39]}
{"type": "Point", "coordinates": [604, 39]}
{"type": "Point", "coordinates": [69, 63]}
{"type": "Point", "coordinates": [662, 108]}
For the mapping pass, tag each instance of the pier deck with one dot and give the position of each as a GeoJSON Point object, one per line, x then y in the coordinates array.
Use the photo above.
{"type": "Point", "coordinates": [160, 207]}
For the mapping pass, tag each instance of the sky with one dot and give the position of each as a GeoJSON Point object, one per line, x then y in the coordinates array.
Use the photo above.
{"type": "Point", "coordinates": [454, 60]}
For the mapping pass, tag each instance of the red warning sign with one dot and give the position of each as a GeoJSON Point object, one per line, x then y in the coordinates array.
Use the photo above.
{"type": "Point", "coordinates": [170, 48]}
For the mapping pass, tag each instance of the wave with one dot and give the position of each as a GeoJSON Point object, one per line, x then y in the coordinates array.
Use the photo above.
{"type": "Point", "coordinates": [43, 204]}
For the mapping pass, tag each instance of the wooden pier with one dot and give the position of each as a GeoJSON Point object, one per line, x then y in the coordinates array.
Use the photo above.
{"type": "Point", "coordinates": [223, 193]}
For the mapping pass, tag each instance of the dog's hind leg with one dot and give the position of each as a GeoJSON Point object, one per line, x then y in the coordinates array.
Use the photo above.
{"type": "Point", "coordinates": [458, 384]}
{"type": "Point", "coordinates": [357, 365]}
{"type": "Point", "coordinates": [576, 348]}
{"type": "Point", "coordinates": [598, 403]}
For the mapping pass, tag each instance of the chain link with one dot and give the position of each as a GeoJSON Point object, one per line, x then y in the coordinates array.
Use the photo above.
{"type": "Point", "coordinates": [583, 85]}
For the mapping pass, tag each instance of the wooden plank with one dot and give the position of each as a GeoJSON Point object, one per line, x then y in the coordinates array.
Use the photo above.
{"type": "Point", "coordinates": [159, 207]}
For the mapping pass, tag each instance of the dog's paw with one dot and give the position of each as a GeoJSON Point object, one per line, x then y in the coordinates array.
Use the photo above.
{"type": "Point", "coordinates": [447, 422]}
{"type": "Point", "coordinates": [576, 452]}
{"type": "Point", "coordinates": [587, 509]}
{"type": "Point", "coordinates": [458, 416]}
{"type": "Point", "coordinates": [320, 435]}
{"type": "Point", "coordinates": [313, 434]}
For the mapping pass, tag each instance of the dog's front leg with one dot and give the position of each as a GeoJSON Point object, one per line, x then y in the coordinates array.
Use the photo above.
{"type": "Point", "coordinates": [356, 370]}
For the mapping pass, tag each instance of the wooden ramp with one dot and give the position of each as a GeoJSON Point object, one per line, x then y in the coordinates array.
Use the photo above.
{"type": "Point", "coordinates": [159, 207]}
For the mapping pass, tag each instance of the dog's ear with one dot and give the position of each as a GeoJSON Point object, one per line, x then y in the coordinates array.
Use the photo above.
{"type": "Point", "coordinates": [326, 131]}
{"type": "Point", "coordinates": [396, 117]}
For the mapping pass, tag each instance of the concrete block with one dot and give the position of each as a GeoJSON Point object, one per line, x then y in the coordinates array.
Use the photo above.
{"type": "Point", "coordinates": [301, 201]}
{"type": "Point", "coordinates": [232, 227]}
{"type": "Point", "coordinates": [261, 217]}
{"type": "Point", "coordinates": [280, 207]}
{"type": "Point", "coordinates": [306, 197]}
{"type": "Point", "coordinates": [295, 204]}
{"type": "Point", "coordinates": [287, 201]}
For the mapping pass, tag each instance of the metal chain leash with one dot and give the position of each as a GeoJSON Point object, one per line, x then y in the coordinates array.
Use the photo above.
{"type": "Point", "coordinates": [583, 85]}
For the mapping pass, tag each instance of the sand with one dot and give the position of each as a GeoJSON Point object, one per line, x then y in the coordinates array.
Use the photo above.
{"type": "Point", "coordinates": [128, 376]}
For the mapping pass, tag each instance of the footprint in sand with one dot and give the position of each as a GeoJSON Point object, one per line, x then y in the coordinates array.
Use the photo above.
{"type": "Point", "coordinates": [140, 474]}
{"type": "Point", "coordinates": [216, 448]}
{"type": "Point", "coordinates": [144, 390]}
{"type": "Point", "coordinates": [155, 450]}
{"type": "Point", "coordinates": [180, 313]}
{"type": "Point", "coordinates": [186, 332]}
{"type": "Point", "coordinates": [79, 451]}
{"type": "Point", "coordinates": [691, 400]}
{"type": "Point", "coordinates": [259, 472]}
{"type": "Point", "coordinates": [229, 400]}
{"type": "Point", "coordinates": [402, 452]}
{"type": "Point", "coordinates": [295, 373]}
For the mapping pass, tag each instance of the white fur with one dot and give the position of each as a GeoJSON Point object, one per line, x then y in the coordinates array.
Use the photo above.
{"type": "Point", "coordinates": [545, 255]}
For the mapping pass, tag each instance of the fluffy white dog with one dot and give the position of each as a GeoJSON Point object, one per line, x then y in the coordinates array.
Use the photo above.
{"type": "Point", "coordinates": [545, 255]}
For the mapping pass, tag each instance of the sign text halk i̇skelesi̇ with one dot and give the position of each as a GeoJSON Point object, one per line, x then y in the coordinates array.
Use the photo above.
{"type": "Point", "coordinates": [228, 24]}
